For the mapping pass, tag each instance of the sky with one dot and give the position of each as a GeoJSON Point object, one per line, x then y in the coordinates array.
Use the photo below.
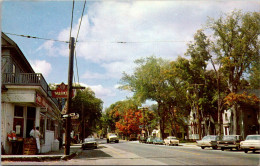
{"type": "Point", "coordinates": [113, 34]}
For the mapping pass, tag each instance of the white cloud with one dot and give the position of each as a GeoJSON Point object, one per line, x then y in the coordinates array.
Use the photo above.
{"type": "Point", "coordinates": [100, 91]}
{"type": "Point", "coordinates": [41, 66]}
{"type": "Point", "coordinates": [89, 75]}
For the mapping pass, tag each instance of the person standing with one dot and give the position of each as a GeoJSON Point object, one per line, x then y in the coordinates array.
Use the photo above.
{"type": "Point", "coordinates": [35, 133]}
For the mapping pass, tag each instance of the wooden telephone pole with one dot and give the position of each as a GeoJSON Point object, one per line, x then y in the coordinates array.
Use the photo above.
{"type": "Point", "coordinates": [69, 97]}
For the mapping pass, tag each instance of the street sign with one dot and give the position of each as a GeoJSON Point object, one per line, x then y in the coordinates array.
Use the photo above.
{"type": "Point", "coordinates": [61, 91]}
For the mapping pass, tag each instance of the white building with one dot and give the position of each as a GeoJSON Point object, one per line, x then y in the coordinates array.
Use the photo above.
{"type": "Point", "coordinates": [26, 102]}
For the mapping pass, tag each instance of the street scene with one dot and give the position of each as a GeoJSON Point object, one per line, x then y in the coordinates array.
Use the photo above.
{"type": "Point", "coordinates": [135, 153]}
{"type": "Point", "coordinates": [130, 82]}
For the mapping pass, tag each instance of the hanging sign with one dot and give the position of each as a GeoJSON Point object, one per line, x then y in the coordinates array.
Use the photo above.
{"type": "Point", "coordinates": [61, 91]}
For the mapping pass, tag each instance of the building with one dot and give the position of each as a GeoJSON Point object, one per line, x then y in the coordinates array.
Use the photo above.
{"type": "Point", "coordinates": [26, 102]}
{"type": "Point", "coordinates": [207, 125]}
{"type": "Point", "coordinates": [248, 119]}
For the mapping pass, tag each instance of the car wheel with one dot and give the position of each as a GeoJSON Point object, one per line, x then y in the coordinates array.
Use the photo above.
{"type": "Point", "coordinates": [246, 151]}
{"type": "Point", "coordinates": [107, 140]}
{"type": "Point", "coordinates": [214, 147]}
{"type": "Point", "coordinates": [222, 149]}
{"type": "Point", "coordinates": [202, 147]}
{"type": "Point", "coordinates": [95, 147]}
{"type": "Point", "coordinates": [253, 151]}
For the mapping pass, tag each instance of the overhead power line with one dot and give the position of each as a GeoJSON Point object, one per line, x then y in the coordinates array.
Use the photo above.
{"type": "Point", "coordinates": [77, 39]}
{"type": "Point", "coordinates": [129, 42]}
{"type": "Point", "coordinates": [33, 37]}
{"type": "Point", "coordinates": [71, 22]}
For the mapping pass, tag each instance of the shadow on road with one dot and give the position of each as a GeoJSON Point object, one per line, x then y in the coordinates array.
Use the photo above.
{"type": "Point", "coordinates": [95, 153]}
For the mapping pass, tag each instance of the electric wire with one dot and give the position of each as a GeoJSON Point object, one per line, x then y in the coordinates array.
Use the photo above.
{"type": "Point", "coordinates": [77, 39]}
{"type": "Point", "coordinates": [71, 22]}
{"type": "Point", "coordinates": [118, 42]}
{"type": "Point", "coordinates": [33, 37]}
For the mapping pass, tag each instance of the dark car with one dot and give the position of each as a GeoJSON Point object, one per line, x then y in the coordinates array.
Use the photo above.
{"type": "Point", "coordinates": [230, 142]}
{"type": "Point", "coordinates": [89, 143]}
{"type": "Point", "coordinates": [158, 141]}
{"type": "Point", "coordinates": [142, 139]}
{"type": "Point", "coordinates": [149, 140]}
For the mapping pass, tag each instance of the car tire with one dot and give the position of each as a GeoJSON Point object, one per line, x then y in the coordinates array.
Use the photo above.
{"type": "Point", "coordinates": [95, 147]}
{"type": "Point", "coordinates": [253, 151]}
{"type": "Point", "coordinates": [214, 147]}
{"type": "Point", "coordinates": [117, 141]}
{"type": "Point", "coordinates": [107, 140]}
{"type": "Point", "coordinates": [202, 147]}
{"type": "Point", "coordinates": [246, 151]}
{"type": "Point", "coordinates": [222, 149]}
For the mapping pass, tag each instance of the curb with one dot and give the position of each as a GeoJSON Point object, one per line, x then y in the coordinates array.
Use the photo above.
{"type": "Point", "coordinates": [32, 158]}
{"type": "Point", "coordinates": [68, 157]}
{"type": "Point", "coordinates": [41, 158]}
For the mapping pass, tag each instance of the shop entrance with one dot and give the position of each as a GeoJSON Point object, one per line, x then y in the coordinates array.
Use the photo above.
{"type": "Point", "coordinates": [30, 121]}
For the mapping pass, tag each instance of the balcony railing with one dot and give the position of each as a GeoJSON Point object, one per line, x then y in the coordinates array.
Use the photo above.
{"type": "Point", "coordinates": [35, 79]}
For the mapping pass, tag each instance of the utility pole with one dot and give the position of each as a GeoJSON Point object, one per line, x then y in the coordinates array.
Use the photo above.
{"type": "Point", "coordinates": [69, 97]}
{"type": "Point", "coordinates": [83, 120]}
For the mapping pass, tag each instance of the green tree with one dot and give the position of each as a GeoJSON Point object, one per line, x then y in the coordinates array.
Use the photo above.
{"type": "Point", "coordinates": [90, 110]}
{"type": "Point", "coordinates": [148, 82]}
{"type": "Point", "coordinates": [236, 44]}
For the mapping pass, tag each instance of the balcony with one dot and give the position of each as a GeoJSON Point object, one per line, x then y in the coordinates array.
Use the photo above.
{"type": "Point", "coordinates": [33, 79]}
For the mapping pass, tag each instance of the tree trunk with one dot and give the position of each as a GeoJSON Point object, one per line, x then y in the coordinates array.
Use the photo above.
{"type": "Point", "coordinates": [199, 122]}
{"type": "Point", "coordinates": [235, 120]}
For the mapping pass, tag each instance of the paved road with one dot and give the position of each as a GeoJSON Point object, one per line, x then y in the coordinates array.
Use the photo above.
{"type": "Point", "coordinates": [134, 153]}
{"type": "Point", "coordinates": [182, 155]}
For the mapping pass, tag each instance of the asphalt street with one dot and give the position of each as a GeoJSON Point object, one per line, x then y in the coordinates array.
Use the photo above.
{"type": "Point", "coordinates": [134, 153]}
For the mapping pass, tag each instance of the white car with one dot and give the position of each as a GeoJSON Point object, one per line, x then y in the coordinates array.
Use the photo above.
{"type": "Point", "coordinates": [208, 141]}
{"type": "Point", "coordinates": [251, 143]}
{"type": "Point", "coordinates": [89, 143]}
{"type": "Point", "coordinates": [171, 141]}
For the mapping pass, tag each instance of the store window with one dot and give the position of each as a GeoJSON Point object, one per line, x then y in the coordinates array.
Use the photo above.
{"type": "Point", "coordinates": [18, 125]}
{"type": "Point", "coordinates": [42, 127]}
{"type": "Point", "coordinates": [50, 124]}
{"type": "Point", "coordinates": [18, 111]}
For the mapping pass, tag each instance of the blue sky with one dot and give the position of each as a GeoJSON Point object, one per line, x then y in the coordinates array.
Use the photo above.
{"type": "Point", "coordinates": [159, 28]}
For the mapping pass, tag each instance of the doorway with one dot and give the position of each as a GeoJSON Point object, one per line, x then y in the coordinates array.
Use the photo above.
{"type": "Point", "coordinates": [30, 121]}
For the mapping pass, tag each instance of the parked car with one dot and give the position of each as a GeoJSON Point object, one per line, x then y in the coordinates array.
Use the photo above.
{"type": "Point", "coordinates": [133, 137]}
{"type": "Point", "coordinates": [230, 142]}
{"type": "Point", "coordinates": [158, 141]}
{"type": "Point", "coordinates": [208, 141]}
{"type": "Point", "coordinates": [251, 143]}
{"type": "Point", "coordinates": [171, 141]}
{"type": "Point", "coordinates": [89, 143]}
{"type": "Point", "coordinates": [142, 139]}
{"type": "Point", "coordinates": [149, 140]}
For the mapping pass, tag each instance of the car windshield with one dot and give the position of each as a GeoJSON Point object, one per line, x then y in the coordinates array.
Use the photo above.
{"type": "Point", "coordinates": [89, 139]}
{"type": "Point", "coordinates": [229, 137]}
{"type": "Point", "coordinates": [209, 137]}
{"type": "Point", "coordinates": [253, 137]}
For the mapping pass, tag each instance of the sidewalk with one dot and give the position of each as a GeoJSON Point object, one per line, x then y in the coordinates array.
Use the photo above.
{"type": "Point", "coordinates": [57, 155]}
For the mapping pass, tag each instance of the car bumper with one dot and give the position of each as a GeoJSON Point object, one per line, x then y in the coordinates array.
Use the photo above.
{"type": "Point", "coordinates": [248, 147]}
{"type": "Point", "coordinates": [89, 145]}
{"type": "Point", "coordinates": [228, 146]}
